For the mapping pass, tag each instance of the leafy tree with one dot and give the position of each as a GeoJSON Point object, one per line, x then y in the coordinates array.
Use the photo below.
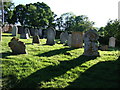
{"type": "Point", "coordinates": [19, 14]}
{"type": "Point", "coordinates": [112, 29]}
{"type": "Point", "coordinates": [8, 11]}
{"type": "Point", "coordinates": [71, 22]}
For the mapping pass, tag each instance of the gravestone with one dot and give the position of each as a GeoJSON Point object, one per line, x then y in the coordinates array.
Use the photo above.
{"type": "Point", "coordinates": [69, 40]}
{"type": "Point", "coordinates": [14, 30]}
{"type": "Point", "coordinates": [40, 32]}
{"type": "Point", "coordinates": [25, 34]}
{"type": "Point", "coordinates": [63, 37]}
{"type": "Point", "coordinates": [77, 39]}
{"type": "Point", "coordinates": [20, 29]}
{"type": "Point", "coordinates": [35, 39]}
{"type": "Point", "coordinates": [32, 30]}
{"type": "Point", "coordinates": [50, 36]}
{"type": "Point", "coordinates": [17, 46]}
{"type": "Point", "coordinates": [0, 33]}
{"type": "Point", "coordinates": [111, 42]}
{"type": "Point", "coordinates": [90, 43]}
{"type": "Point", "coordinates": [35, 32]}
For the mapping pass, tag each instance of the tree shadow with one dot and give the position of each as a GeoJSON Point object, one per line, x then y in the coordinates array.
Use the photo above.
{"type": "Point", "coordinates": [45, 74]}
{"type": "Point", "coordinates": [5, 54]}
{"type": "Point", "coordinates": [55, 52]}
{"type": "Point", "coordinates": [102, 75]}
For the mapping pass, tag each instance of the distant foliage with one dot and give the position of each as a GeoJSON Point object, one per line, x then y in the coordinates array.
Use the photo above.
{"type": "Point", "coordinates": [71, 22]}
{"type": "Point", "coordinates": [112, 29]}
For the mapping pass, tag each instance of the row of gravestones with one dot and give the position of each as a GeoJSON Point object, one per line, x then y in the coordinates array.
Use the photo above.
{"type": "Point", "coordinates": [90, 42]}
{"type": "Point", "coordinates": [25, 33]}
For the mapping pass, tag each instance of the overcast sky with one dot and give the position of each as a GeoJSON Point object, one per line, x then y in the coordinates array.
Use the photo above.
{"type": "Point", "coordinates": [99, 11]}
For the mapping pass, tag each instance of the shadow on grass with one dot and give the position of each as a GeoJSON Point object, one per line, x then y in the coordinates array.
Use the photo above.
{"type": "Point", "coordinates": [56, 52]}
{"type": "Point", "coordinates": [101, 75]}
{"type": "Point", "coordinates": [5, 54]}
{"type": "Point", "coordinates": [8, 35]}
{"type": "Point", "coordinates": [45, 74]}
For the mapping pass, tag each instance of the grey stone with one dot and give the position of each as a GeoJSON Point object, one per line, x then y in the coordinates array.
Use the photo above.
{"type": "Point", "coordinates": [0, 33]}
{"type": "Point", "coordinates": [40, 33]}
{"type": "Point", "coordinates": [63, 37]}
{"type": "Point", "coordinates": [50, 36]}
{"type": "Point", "coordinates": [69, 40]}
{"type": "Point", "coordinates": [90, 43]}
{"type": "Point", "coordinates": [112, 42]}
{"type": "Point", "coordinates": [25, 34]}
{"type": "Point", "coordinates": [14, 30]}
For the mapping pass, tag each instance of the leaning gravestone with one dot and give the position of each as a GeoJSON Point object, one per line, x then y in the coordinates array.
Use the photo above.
{"type": "Point", "coordinates": [0, 33]}
{"type": "Point", "coordinates": [90, 43]}
{"type": "Point", "coordinates": [50, 36]}
{"type": "Point", "coordinates": [17, 46]}
{"type": "Point", "coordinates": [69, 40]}
{"type": "Point", "coordinates": [63, 37]}
{"type": "Point", "coordinates": [25, 34]}
{"type": "Point", "coordinates": [111, 42]}
{"type": "Point", "coordinates": [14, 30]}
{"type": "Point", "coordinates": [35, 39]}
{"type": "Point", "coordinates": [77, 39]}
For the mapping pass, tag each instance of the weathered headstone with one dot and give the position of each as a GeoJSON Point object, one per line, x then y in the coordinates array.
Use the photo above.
{"type": "Point", "coordinates": [35, 32]}
{"type": "Point", "coordinates": [40, 32]}
{"type": "Point", "coordinates": [77, 39]}
{"type": "Point", "coordinates": [69, 40]}
{"type": "Point", "coordinates": [90, 43]}
{"type": "Point", "coordinates": [25, 34]}
{"type": "Point", "coordinates": [50, 36]}
{"type": "Point", "coordinates": [32, 30]}
{"type": "Point", "coordinates": [17, 46]}
{"type": "Point", "coordinates": [0, 33]}
{"type": "Point", "coordinates": [20, 29]}
{"type": "Point", "coordinates": [111, 42]}
{"type": "Point", "coordinates": [35, 39]}
{"type": "Point", "coordinates": [14, 30]}
{"type": "Point", "coordinates": [63, 37]}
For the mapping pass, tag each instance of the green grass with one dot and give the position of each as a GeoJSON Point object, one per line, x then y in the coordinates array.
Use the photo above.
{"type": "Point", "coordinates": [57, 66]}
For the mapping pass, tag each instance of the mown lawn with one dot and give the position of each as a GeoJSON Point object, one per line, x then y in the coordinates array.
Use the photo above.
{"type": "Point", "coordinates": [58, 66]}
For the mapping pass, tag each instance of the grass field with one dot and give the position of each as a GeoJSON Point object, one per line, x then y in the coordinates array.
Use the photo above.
{"type": "Point", "coordinates": [58, 66]}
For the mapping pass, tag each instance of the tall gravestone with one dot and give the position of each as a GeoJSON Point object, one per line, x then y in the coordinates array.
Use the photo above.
{"type": "Point", "coordinates": [111, 42]}
{"type": "Point", "coordinates": [90, 43]}
{"type": "Point", "coordinates": [17, 46]}
{"type": "Point", "coordinates": [50, 36]}
{"type": "Point", "coordinates": [25, 34]}
{"type": "Point", "coordinates": [0, 33]}
{"type": "Point", "coordinates": [69, 40]}
{"type": "Point", "coordinates": [40, 32]}
{"type": "Point", "coordinates": [63, 37]}
{"type": "Point", "coordinates": [32, 30]}
{"type": "Point", "coordinates": [35, 32]}
{"type": "Point", "coordinates": [14, 30]}
{"type": "Point", "coordinates": [77, 39]}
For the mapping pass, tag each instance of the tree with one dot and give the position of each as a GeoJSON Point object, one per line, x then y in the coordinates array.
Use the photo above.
{"type": "Point", "coordinates": [8, 11]}
{"type": "Point", "coordinates": [33, 15]}
{"type": "Point", "coordinates": [71, 22]}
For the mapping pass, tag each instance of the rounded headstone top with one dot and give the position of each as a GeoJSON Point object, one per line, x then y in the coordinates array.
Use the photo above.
{"type": "Point", "coordinates": [92, 34]}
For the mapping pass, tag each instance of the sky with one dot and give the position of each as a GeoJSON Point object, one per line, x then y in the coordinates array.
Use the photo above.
{"type": "Point", "coordinates": [99, 11]}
